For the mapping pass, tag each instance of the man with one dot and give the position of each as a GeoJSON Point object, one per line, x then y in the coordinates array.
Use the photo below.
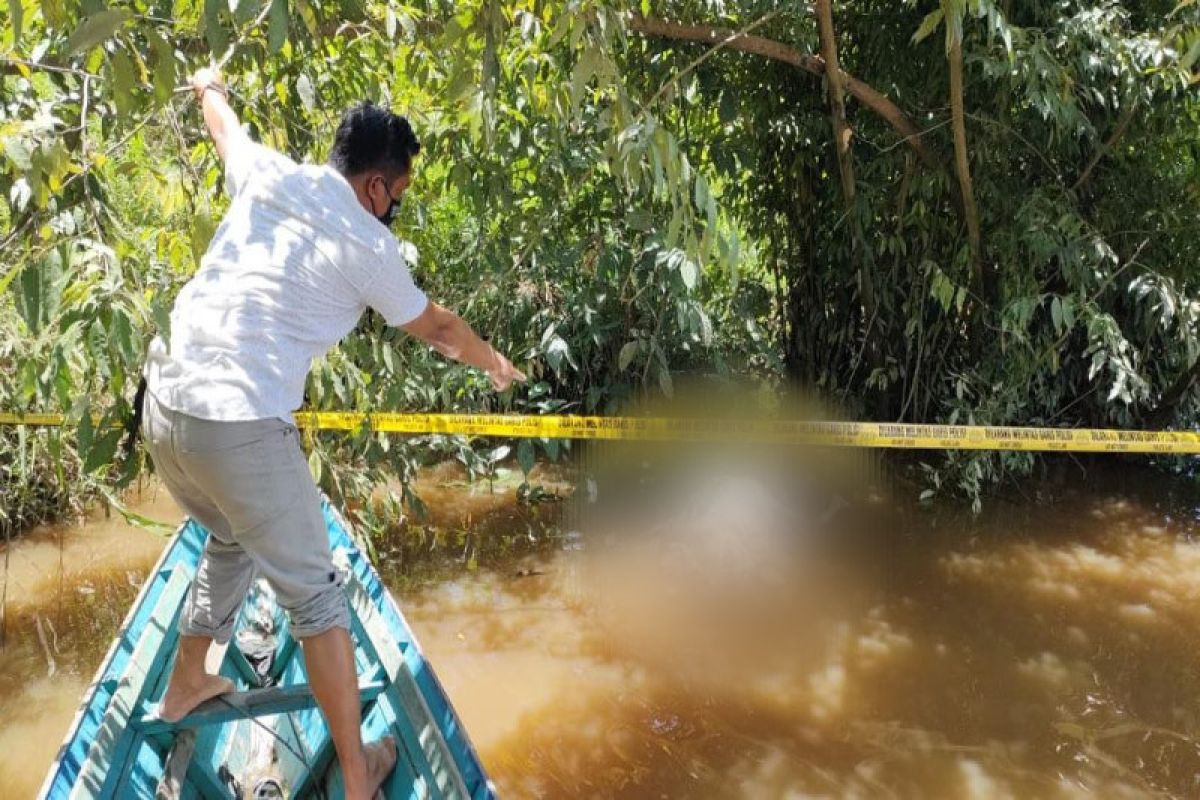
{"type": "Point", "coordinates": [302, 251]}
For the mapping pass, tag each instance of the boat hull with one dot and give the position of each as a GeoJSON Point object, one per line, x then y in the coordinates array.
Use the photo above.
{"type": "Point", "coordinates": [268, 739]}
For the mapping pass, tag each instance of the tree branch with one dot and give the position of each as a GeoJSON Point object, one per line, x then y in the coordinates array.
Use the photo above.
{"type": "Point", "coordinates": [962, 166]}
{"type": "Point", "coordinates": [1103, 150]}
{"type": "Point", "coordinates": [777, 51]}
{"type": "Point", "coordinates": [845, 157]}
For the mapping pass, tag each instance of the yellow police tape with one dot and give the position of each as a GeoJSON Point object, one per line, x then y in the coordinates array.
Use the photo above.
{"type": "Point", "coordinates": [840, 434]}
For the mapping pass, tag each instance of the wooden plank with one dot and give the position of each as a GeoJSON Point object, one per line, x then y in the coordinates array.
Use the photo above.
{"type": "Point", "coordinates": [114, 740]}
{"type": "Point", "coordinates": [408, 741]}
{"type": "Point", "coordinates": [252, 703]}
{"type": "Point", "coordinates": [436, 761]}
{"type": "Point", "coordinates": [202, 778]}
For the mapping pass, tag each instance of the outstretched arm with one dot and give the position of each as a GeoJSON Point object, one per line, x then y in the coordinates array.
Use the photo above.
{"type": "Point", "coordinates": [451, 336]}
{"type": "Point", "coordinates": [221, 120]}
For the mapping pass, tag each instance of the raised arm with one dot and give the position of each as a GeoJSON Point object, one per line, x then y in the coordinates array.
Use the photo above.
{"type": "Point", "coordinates": [450, 335]}
{"type": "Point", "coordinates": [222, 122]}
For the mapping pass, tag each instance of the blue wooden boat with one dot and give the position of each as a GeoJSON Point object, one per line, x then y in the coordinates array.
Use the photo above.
{"type": "Point", "coordinates": [267, 740]}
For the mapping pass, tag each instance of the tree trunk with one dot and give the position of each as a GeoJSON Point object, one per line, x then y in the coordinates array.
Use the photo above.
{"type": "Point", "coordinates": [962, 165]}
{"type": "Point", "coordinates": [837, 102]}
{"type": "Point", "coordinates": [768, 48]}
{"type": "Point", "coordinates": [845, 159]}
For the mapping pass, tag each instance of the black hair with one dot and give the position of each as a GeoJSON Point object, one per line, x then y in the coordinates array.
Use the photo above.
{"type": "Point", "coordinates": [371, 137]}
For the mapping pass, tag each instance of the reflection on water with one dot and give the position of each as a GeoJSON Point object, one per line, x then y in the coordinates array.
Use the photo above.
{"type": "Point", "coordinates": [67, 589]}
{"type": "Point", "coordinates": [1045, 650]}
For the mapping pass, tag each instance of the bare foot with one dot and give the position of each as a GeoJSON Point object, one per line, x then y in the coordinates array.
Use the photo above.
{"type": "Point", "coordinates": [179, 700]}
{"type": "Point", "coordinates": [381, 760]}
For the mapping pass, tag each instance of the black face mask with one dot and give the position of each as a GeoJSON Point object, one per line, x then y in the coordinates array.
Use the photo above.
{"type": "Point", "coordinates": [389, 216]}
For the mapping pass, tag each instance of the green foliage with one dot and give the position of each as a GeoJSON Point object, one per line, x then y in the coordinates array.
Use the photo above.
{"type": "Point", "coordinates": [553, 208]}
{"type": "Point", "coordinates": [1085, 156]}
{"type": "Point", "coordinates": [614, 208]}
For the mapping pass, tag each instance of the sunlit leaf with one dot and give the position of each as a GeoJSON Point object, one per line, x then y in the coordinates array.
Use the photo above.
{"type": "Point", "coordinates": [214, 32]}
{"type": "Point", "coordinates": [95, 29]}
{"type": "Point", "coordinates": [628, 352]}
{"type": "Point", "coordinates": [102, 450]}
{"type": "Point", "coordinates": [308, 96]}
{"type": "Point", "coordinates": [525, 456]}
{"type": "Point", "coordinates": [124, 83]}
{"type": "Point", "coordinates": [16, 12]}
{"type": "Point", "coordinates": [277, 25]}
{"type": "Point", "coordinates": [928, 25]}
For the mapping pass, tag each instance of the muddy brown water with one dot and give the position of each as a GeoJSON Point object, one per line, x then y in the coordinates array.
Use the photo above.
{"type": "Point", "coordinates": [1046, 649]}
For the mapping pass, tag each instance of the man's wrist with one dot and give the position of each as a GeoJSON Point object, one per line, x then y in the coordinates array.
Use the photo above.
{"type": "Point", "coordinates": [494, 361]}
{"type": "Point", "coordinates": [215, 86]}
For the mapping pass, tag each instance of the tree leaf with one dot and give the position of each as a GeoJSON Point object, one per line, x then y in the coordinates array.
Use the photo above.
{"type": "Point", "coordinates": [277, 30]}
{"type": "Point", "coordinates": [30, 306]}
{"type": "Point", "coordinates": [95, 29]}
{"type": "Point", "coordinates": [585, 69]}
{"type": "Point", "coordinates": [628, 352]}
{"type": "Point", "coordinates": [100, 454]}
{"type": "Point", "coordinates": [689, 273]}
{"type": "Point", "coordinates": [308, 96]}
{"type": "Point", "coordinates": [203, 228]}
{"type": "Point", "coordinates": [928, 25]}
{"type": "Point", "coordinates": [665, 383]}
{"type": "Point", "coordinates": [213, 32]}
{"type": "Point", "coordinates": [526, 456]}
{"type": "Point", "coordinates": [700, 194]}
{"type": "Point", "coordinates": [16, 12]}
{"type": "Point", "coordinates": [7, 278]}
{"type": "Point", "coordinates": [164, 67]}
{"type": "Point", "coordinates": [122, 331]}
{"type": "Point", "coordinates": [1192, 55]}
{"type": "Point", "coordinates": [124, 82]}
{"type": "Point", "coordinates": [85, 431]}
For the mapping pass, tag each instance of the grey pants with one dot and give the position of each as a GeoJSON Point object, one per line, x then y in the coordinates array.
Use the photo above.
{"type": "Point", "coordinates": [248, 483]}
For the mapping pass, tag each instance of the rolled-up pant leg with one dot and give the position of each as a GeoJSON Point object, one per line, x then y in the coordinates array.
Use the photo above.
{"type": "Point", "coordinates": [225, 571]}
{"type": "Point", "coordinates": [218, 590]}
{"type": "Point", "coordinates": [249, 484]}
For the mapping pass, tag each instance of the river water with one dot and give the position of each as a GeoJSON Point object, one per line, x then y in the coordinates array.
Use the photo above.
{"type": "Point", "coordinates": [1046, 648]}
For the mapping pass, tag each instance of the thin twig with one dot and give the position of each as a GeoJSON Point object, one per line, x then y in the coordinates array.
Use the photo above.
{"type": "Point", "coordinates": [51, 68]}
{"type": "Point", "coordinates": [900, 142]}
{"type": "Point", "coordinates": [1013, 131]}
{"type": "Point", "coordinates": [1109, 144]}
{"type": "Point", "coordinates": [51, 665]}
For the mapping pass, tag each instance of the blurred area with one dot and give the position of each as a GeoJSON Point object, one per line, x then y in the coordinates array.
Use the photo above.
{"type": "Point", "coordinates": [751, 622]}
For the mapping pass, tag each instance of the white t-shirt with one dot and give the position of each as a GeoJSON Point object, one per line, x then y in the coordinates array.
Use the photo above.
{"type": "Point", "coordinates": [288, 273]}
